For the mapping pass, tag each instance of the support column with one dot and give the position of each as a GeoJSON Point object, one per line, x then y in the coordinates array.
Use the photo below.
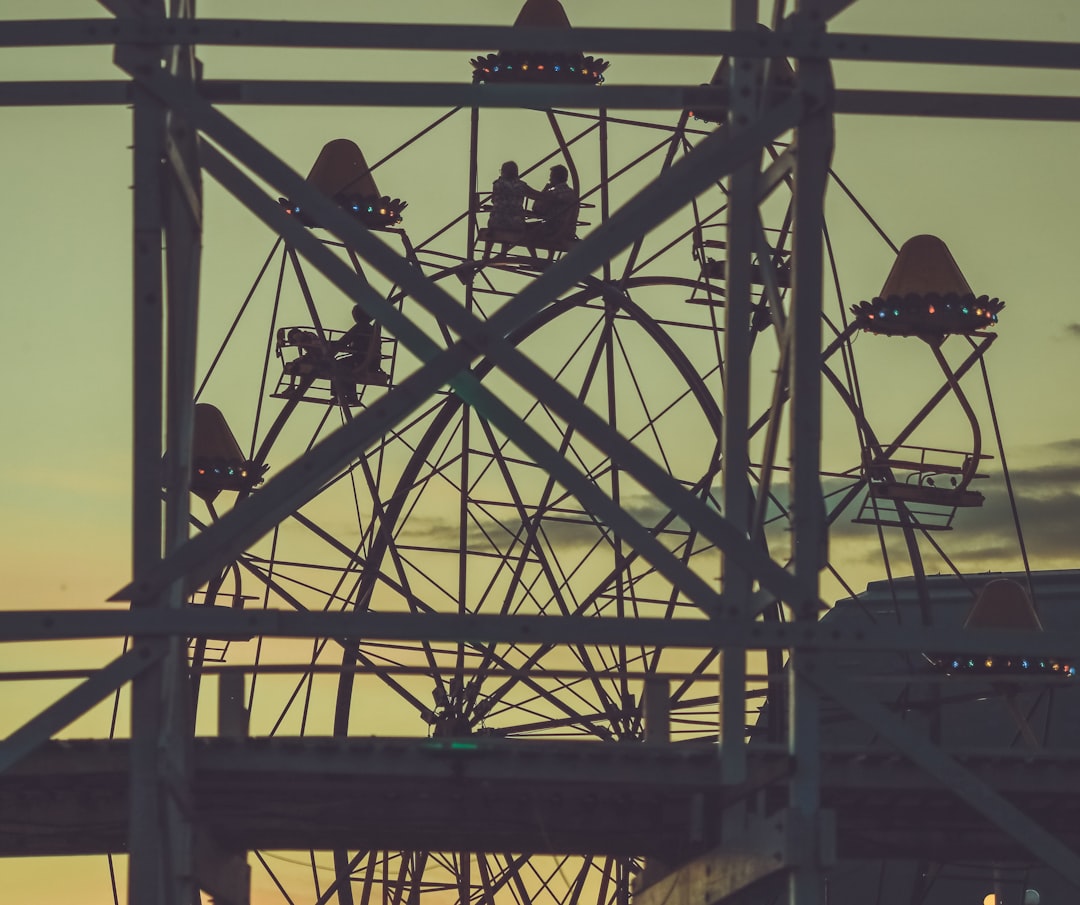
{"type": "Point", "coordinates": [813, 143]}
{"type": "Point", "coordinates": [167, 207]}
{"type": "Point", "coordinates": [738, 505]}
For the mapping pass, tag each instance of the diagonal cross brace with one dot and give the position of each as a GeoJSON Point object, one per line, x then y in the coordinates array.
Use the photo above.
{"type": "Point", "coordinates": [972, 790]}
{"type": "Point", "coordinates": [700, 169]}
{"type": "Point", "coordinates": [76, 702]}
{"type": "Point", "coordinates": [297, 482]}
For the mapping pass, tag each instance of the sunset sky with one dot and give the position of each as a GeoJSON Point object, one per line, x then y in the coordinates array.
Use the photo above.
{"type": "Point", "coordinates": [1001, 194]}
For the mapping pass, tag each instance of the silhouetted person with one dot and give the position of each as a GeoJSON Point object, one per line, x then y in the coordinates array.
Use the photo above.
{"type": "Point", "coordinates": [558, 206]}
{"type": "Point", "coordinates": [508, 194]}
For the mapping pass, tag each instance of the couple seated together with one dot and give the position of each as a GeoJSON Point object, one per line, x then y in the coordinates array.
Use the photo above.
{"type": "Point", "coordinates": [556, 208]}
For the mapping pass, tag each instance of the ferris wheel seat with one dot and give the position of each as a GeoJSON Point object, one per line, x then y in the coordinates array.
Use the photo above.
{"type": "Point", "coordinates": [328, 369]}
{"type": "Point", "coordinates": [525, 239]}
{"type": "Point", "coordinates": [927, 493]}
{"type": "Point", "coordinates": [717, 268]}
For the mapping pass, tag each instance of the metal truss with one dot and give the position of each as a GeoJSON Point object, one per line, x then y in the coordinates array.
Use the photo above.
{"type": "Point", "coordinates": [176, 119]}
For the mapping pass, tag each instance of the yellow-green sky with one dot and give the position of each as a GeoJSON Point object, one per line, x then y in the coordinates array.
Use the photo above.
{"type": "Point", "coordinates": [1003, 195]}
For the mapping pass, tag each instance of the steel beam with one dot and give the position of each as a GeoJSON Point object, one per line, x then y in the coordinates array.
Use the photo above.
{"type": "Point", "coordinates": [743, 197]}
{"type": "Point", "coordinates": [167, 209]}
{"type": "Point", "coordinates": [450, 94]}
{"type": "Point", "coordinates": [652, 205]}
{"type": "Point", "coordinates": [797, 43]}
{"type": "Point", "coordinates": [441, 367]}
{"type": "Point", "coordinates": [68, 797]}
{"type": "Point", "coordinates": [75, 703]}
{"type": "Point", "coordinates": [224, 622]}
{"type": "Point", "coordinates": [943, 104]}
{"type": "Point", "coordinates": [809, 533]}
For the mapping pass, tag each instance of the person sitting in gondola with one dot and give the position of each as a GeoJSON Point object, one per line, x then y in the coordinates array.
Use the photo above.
{"type": "Point", "coordinates": [558, 208]}
{"type": "Point", "coordinates": [314, 358]}
{"type": "Point", "coordinates": [508, 194]}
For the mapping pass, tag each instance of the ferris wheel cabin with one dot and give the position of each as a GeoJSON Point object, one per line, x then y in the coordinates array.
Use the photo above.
{"type": "Point", "coordinates": [927, 297]}
{"type": "Point", "coordinates": [535, 67]}
{"type": "Point", "coordinates": [1003, 604]}
{"type": "Point", "coordinates": [711, 253]}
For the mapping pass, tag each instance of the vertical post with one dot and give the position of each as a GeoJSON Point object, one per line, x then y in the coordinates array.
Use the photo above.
{"type": "Point", "coordinates": [145, 881]}
{"type": "Point", "coordinates": [738, 506]}
{"type": "Point", "coordinates": [813, 141]}
{"type": "Point", "coordinates": [605, 195]}
{"type": "Point", "coordinates": [167, 204]}
{"type": "Point", "coordinates": [656, 704]}
{"type": "Point", "coordinates": [472, 226]}
{"type": "Point", "coordinates": [233, 714]}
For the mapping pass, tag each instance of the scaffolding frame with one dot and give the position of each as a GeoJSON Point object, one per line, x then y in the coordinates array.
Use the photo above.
{"type": "Point", "coordinates": [175, 119]}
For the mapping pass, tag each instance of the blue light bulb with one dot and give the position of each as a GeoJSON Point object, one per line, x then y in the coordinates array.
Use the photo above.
{"type": "Point", "coordinates": [1024, 664]}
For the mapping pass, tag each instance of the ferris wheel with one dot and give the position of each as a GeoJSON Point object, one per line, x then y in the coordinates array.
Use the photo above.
{"type": "Point", "coordinates": [445, 514]}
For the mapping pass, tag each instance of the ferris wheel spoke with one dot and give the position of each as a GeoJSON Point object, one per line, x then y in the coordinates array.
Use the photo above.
{"type": "Point", "coordinates": [532, 545]}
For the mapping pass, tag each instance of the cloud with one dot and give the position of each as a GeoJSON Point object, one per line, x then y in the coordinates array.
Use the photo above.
{"type": "Point", "coordinates": [1069, 446]}
{"type": "Point", "coordinates": [1047, 500]}
{"type": "Point", "coordinates": [564, 525]}
{"type": "Point", "coordinates": [1048, 505]}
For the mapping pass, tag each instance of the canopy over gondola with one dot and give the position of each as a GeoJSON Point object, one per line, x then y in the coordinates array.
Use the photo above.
{"type": "Point", "coordinates": [565, 67]}
{"type": "Point", "coordinates": [926, 295]}
{"type": "Point", "coordinates": [340, 172]}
